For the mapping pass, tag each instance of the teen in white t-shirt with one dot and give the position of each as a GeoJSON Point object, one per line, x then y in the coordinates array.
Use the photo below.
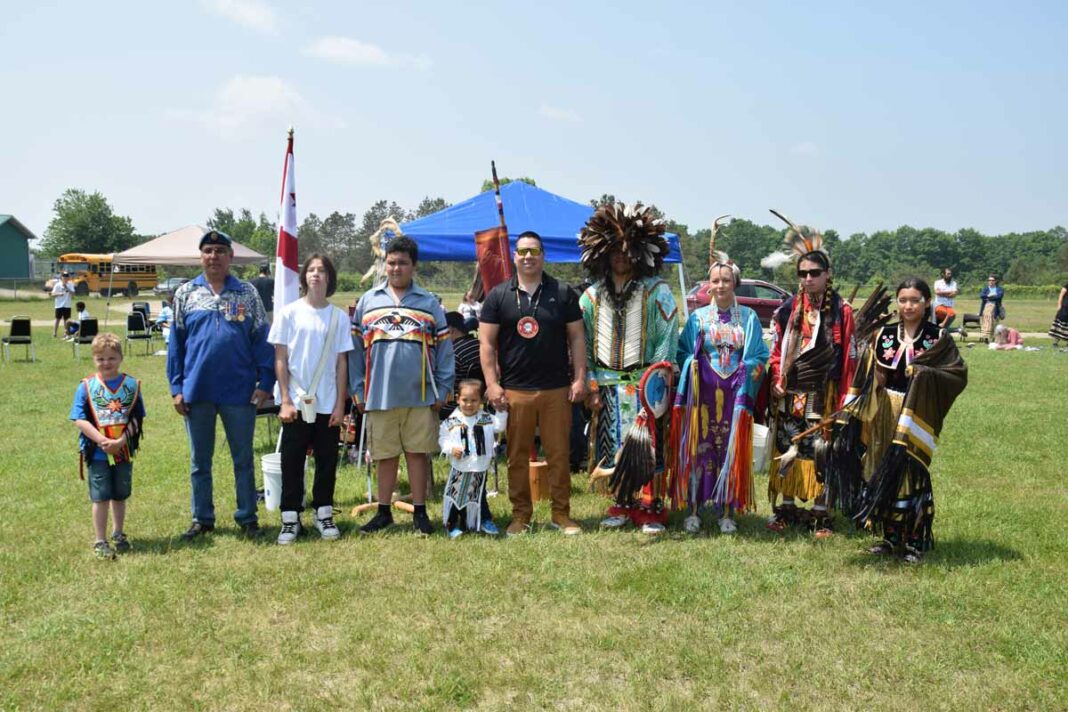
{"type": "Point", "coordinates": [300, 333]}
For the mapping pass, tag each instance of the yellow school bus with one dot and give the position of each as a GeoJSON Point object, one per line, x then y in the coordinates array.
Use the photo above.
{"type": "Point", "coordinates": [93, 273]}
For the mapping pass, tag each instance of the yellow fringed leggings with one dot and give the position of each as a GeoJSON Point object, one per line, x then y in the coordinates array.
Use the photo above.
{"type": "Point", "coordinates": [799, 483]}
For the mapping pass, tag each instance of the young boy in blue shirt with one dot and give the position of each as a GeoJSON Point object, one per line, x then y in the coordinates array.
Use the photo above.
{"type": "Point", "coordinates": [108, 410]}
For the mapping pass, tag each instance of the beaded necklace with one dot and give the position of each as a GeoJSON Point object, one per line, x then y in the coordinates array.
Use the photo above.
{"type": "Point", "coordinates": [725, 336]}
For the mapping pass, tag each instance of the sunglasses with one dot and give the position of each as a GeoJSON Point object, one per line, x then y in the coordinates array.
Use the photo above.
{"type": "Point", "coordinates": [802, 273]}
{"type": "Point", "coordinates": [532, 251]}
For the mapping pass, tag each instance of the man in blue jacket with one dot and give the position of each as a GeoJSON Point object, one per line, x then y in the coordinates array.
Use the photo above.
{"type": "Point", "coordinates": [219, 364]}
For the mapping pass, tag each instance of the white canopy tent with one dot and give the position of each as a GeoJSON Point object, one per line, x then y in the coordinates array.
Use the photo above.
{"type": "Point", "coordinates": [178, 247]}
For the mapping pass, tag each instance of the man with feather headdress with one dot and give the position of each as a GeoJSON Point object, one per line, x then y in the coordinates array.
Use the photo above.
{"type": "Point", "coordinates": [813, 358]}
{"type": "Point", "coordinates": [631, 322]}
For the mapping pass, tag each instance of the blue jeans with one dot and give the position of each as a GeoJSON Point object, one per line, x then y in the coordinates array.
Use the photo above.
{"type": "Point", "coordinates": [239, 423]}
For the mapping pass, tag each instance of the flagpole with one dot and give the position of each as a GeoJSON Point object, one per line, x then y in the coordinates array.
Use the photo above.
{"type": "Point", "coordinates": [286, 253]}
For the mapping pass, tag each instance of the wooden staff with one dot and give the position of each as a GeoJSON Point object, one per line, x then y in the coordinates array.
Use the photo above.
{"type": "Point", "coordinates": [853, 294]}
{"type": "Point", "coordinates": [818, 426]}
{"type": "Point", "coordinates": [497, 195]}
{"type": "Point", "coordinates": [505, 250]}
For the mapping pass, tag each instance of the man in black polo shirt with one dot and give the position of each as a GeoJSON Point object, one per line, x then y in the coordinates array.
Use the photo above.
{"type": "Point", "coordinates": [527, 328]}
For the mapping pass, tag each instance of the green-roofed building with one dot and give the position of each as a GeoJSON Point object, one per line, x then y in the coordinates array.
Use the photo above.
{"type": "Point", "coordinates": [14, 248]}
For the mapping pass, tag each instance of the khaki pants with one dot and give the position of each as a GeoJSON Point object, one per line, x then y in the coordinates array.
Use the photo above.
{"type": "Point", "coordinates": [550, 412]}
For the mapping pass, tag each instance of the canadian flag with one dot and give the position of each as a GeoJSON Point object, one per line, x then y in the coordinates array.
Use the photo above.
{"type": "Point", "coordinates": [286, 266]}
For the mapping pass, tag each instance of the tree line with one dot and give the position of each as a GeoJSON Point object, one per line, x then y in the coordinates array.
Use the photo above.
{"type": "Point", "coordinates": [86, 222]}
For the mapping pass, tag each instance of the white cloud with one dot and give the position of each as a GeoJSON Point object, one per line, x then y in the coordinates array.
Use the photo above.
{"type": "Point", "coordinates": [555, 113]}
{"type": "Point", "coordinates": [345, 50]}
{"type": "Point", "coordinates": [252, 14]}
{"type": "Point", "coordinates": [245, 101]}
{"type": "Point", "coordinates": [805, 148]}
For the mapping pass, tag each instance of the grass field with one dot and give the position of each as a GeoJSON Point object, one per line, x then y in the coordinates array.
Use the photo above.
{"type": "Point", "coordinates": [601, 621]}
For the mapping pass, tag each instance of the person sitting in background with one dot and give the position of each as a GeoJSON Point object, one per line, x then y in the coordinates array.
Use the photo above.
{"type": "Point", "coordinates": [1006, 339]}
{"type": "Point", "coordinates": [162, 324]}
{"type": "Point", "coordinates": [944, 316]}
{"type": "Point", "coordinates": [990, 296]}
{"type": "Point", "coordinates": [470, 310]}
{"type": "Point", "coordinates": [72, 327]}
{"type": "Point", "coordinates": [466, 352]}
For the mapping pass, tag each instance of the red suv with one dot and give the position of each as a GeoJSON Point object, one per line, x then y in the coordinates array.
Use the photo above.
{"type": "Point", "coordinates": [760, 296]}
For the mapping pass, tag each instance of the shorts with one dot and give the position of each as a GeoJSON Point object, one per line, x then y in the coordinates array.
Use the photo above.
{"type": "Point", "coordinates": [110, 482]}
{"type": "Point", "coordinates": [400, 430]}
{"type": "Point", "coordinates": [63, 312]}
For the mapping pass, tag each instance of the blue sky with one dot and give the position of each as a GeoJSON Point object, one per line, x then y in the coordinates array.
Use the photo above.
{"type": "Point", "coordinates": [855, 116]}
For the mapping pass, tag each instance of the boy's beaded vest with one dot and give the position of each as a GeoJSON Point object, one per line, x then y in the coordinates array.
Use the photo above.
{"type": "Point", "coordinates": [112, 413]}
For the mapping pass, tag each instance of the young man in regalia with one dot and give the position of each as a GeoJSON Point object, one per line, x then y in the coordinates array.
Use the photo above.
{"type": "Point", "coordinates": [631, 322]}
{"type": "Point", "coordinates": [813, 359]}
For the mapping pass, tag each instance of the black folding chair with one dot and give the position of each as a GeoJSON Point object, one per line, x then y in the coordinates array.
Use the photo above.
{"type": "Point", "coordinates": [971, 321]}
{"type": "Point", "coordinates": [20, 333]}
{"type": "Point", "coordinates": [145, 308]}
{"type": "Point", "coordinates": [137, 330]}
{"type": "Point", "coordinates": [87, 331]}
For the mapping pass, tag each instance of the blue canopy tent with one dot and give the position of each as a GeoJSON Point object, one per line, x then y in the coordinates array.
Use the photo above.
{"type": "Point", "coordinates": [449, 235]}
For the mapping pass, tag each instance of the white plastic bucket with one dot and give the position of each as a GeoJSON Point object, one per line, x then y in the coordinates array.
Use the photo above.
{"type": "Point", "coordinates": [272, 480]}
{"type": "Point", "coordinates": [760, 447]}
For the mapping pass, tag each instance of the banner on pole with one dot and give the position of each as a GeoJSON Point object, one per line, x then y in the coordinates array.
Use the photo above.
{"type": "Point", "coordinates": [494, 256]}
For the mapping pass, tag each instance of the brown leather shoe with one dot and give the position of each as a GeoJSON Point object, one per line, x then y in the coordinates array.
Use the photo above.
{"type": "Point", "coordinates": [517, 527]}
{"type": "Point", "coordinates": [565, 524]}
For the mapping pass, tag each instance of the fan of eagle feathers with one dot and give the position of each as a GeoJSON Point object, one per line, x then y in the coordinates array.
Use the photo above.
{"type": "Point", "coordinates": [635, 228]}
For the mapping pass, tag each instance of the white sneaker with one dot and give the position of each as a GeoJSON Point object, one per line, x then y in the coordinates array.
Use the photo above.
{"type": "Point", "coordinates": [727, 526]}
{"type": "Point", "coordinates": [290, 528]}
{"type": "Point", "coordinates": [616, 522]}
{"type": "Point", "coordinates": [692, 524]}
{"type": "Point", "coordinates": [653, 528]}
{"type": "Point", "coordinates": [324, 522]}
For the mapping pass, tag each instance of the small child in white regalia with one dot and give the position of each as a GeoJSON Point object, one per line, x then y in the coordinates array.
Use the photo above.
{"type": "Point", "coordinates": [468, 437]}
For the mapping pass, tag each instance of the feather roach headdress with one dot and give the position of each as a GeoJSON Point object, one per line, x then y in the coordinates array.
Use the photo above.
{"type": "Point", "coordinates": [800, 240]}
{"type": "Point", "coordinates": [634, 228]}
{"type": "Point", "coordinates": [718, 258]}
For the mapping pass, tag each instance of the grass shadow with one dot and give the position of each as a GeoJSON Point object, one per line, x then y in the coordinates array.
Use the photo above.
{"type": "Point", "coordinates": [949, 554]}
{"type": "Point", "coordinates": [959, 553]}
{"type": "Point", "coordinates": [162, 545]}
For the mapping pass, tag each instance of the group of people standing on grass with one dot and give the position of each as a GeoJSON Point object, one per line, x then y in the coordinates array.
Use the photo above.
{"type": "Point", "coordinates": [991, 308]}
{"type": "Point", "coordinates": [852, 406]}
